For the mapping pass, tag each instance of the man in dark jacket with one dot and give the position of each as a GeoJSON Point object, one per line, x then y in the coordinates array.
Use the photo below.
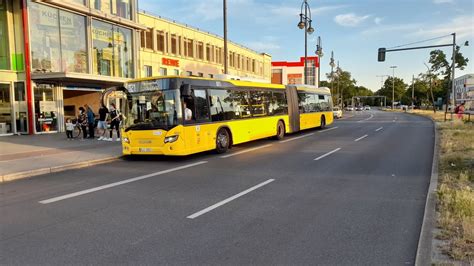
{"type": "Point", "coordinates": [90, 121]}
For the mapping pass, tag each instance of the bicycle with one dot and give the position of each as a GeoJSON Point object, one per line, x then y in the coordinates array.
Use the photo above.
{"type": "Point", "coordinates": [77, 131]}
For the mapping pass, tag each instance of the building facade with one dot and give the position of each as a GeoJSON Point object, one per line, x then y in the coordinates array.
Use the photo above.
{"type": "Point", "coordinates": [464, 91]}
{"type": "Point", "coordinates": [284, 72]}
{"type": "Point", "coordinates": [58, 55]}
{"type": "Point", "coordinates": [171, 48]}
{"type": "Point", "coordinates": [13, 107]}
{"type": "Point", "coordinates": [69, 51]}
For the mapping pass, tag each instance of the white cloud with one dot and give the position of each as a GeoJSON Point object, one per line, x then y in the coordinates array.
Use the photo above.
{"type": "Point", "coordinates": [383, 29]}
{"type": "Point", "coordinates": [350, 19]}
{"type": "Point", "coordinates": [378, 20]}
{"type": "Point", "coordinates": [461, 25]}
{"type": "Point", "coordinates": [443, 1]}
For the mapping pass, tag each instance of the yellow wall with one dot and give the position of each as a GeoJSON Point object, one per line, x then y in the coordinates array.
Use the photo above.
{"type": "Point", "coordinates": [153, 57]}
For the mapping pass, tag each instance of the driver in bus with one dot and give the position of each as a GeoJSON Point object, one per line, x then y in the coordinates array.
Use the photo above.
{"type": "Point", "coordinates": [188, 114]}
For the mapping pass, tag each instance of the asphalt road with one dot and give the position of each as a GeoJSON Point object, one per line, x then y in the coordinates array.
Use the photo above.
{"type": "Point", "coordinates": [351, 194]}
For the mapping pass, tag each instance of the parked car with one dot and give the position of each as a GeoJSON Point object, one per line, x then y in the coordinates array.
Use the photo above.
{"type": "Point", "coordinates": [349, 108]}
{"type": "Point", "coordinates": [367, 108]}
{"type": "Point", "coordinates": [337, 112]}
{"type": "Point", "coordinates": [359, 108]}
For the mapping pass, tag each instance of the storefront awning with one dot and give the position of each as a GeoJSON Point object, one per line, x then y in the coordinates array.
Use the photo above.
{"type": "Point", "coordinates": [77, 79]}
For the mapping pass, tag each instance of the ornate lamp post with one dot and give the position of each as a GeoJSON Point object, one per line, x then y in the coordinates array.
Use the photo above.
{"type": "Point", "coordinates": [319, 52]}
{"type": "Point", "coordinates": [305, 23]}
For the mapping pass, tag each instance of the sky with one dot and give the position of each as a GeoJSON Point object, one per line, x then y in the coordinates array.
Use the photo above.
{"type": "Point", "coordinates": [354, 30]}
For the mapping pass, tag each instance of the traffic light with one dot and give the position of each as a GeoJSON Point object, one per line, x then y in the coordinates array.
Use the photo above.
{"type": "Point", "coordinates": [381, 57]}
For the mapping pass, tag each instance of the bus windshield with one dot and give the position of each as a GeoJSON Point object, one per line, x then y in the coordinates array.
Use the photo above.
{"type": "Point", "coordinates": [154, 105]}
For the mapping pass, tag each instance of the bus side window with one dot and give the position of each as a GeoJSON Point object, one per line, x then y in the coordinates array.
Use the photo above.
{"type": "Point", "coordinates": [201, 106]}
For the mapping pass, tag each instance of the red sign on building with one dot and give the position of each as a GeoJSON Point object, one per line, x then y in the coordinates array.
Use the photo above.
{"type": "Point", "coordinates": [170, 62]}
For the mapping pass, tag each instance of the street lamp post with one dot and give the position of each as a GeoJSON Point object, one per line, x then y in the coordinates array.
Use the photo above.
{"type": "Point", "coordinates": [305, 23]}
{"type": "Point", "coordinates": [319, 52]}
{"type": "Point", "coordinates": [226, 70]}
{"type": "Point", "coordinates": [393, 86]}
{"type": "Point", "coordinates": [332, 64]}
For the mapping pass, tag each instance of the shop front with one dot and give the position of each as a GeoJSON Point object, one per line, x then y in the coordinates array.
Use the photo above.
{"type": "Point", "coordinates": [13, 109]}
{"type": "Point", "coordinates": [46, 108]}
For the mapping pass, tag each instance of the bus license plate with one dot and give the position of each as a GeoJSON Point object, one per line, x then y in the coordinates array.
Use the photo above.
{"type": "Point", "coordinates": [144, 149]}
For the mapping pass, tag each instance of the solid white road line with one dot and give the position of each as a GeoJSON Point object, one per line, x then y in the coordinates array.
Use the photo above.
{"type": "Point", "coordinates": [324, 130]}
{"type": "Point", "coordinates": [363, 137]}
{"type": "Point", "coordinates": [245, 151]}
{"type": "Point", "coordinates": [79, 193]}
{"type": "Point", "coordinates": [378, 129]}
{"type": "Point", "coordinates": [370, 117]}
{"type": "Point", "coordinates": [300, 137]}
{"type": "Point", "coordinates": [210, 208]}
{"type": "Point", "coordinates": [329, 153]}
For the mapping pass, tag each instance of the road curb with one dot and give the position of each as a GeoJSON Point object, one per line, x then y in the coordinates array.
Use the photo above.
{"type": "Point", "coordinates": [424, 252]}
{"type": "Point", "coordinates": [55, 169]}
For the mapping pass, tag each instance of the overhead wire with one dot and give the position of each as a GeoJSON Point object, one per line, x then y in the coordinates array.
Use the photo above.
{"type": "Point", "coordinates": [432, 39]}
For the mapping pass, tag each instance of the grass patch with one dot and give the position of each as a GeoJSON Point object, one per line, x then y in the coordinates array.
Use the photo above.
{"type": "Point", "coordinates": [455, 204]}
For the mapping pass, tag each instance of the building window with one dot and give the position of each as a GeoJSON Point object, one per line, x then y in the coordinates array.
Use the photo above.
{"type": "Point", "coordinates": [160, 41]}
{"type": "Point", "coordinates": [231, 59]}
{"type": "Point", "coordinates": [188, 47]}
{"type": "Point", "coordinates": [176, 72]}
{"type": "Point", "coordinates": [142, 39]}
{"type": "Point", "coordinates": [253, 65]}
{"type": "Point", "coordinates": [219, 55]}
{"type": "Point", "coordinates": [4, 51]}
{"type": "Point", "coordinates": [148, 71]}
{"type": "Point", "coordinates": [189, 73]}
{"type": "Point", "coordinates": [6, 107]}
{"type": "Point", "coordinates": [174, 44]}
{"type": "Point", "coordinates": [163, 71]}
{"type": "Point", "coordinates": [121, 8]}
{"type": "Point", "coordinates": [200, 74]}
{"type": "Point", "coordinates": [57, 45]}
{"type": "Point", "coordinates": [208, 52]}
{"type": "Point", "coordinates": [200, 50]}
{"type": "Point", "coordinates": [112, 50]}
{"type": "Point", "coordinates": [147, 39]}
{"type": "Point", "coordinates": [210, 76]}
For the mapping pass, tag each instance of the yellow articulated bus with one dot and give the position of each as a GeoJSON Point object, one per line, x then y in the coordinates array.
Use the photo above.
{"type": "Point", "coordinates": [186, 115]}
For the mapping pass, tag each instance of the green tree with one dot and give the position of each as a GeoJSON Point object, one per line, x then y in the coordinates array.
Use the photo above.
{"type": "Point", "coordinates": [400, 90]}
{"type": "Point", "coordinates": [441, 66]}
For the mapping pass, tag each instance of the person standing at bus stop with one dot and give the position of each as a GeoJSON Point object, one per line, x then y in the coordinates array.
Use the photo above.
{"type": "Point", "coordinates": [90, 121]}
{"type": "Point", "coordinates": [115, 117]}
{"type": "Point", "coordinates": [102, 124]}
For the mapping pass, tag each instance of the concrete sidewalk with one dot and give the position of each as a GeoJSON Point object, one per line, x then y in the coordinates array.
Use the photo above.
{"type": "Point", "coordinates": [25, 156]}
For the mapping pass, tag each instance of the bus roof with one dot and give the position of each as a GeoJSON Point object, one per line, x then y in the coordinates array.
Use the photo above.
{"type": "Point", "coordinates": [238, 83]}
{"type": "Point", "coordinates": [311, 88]}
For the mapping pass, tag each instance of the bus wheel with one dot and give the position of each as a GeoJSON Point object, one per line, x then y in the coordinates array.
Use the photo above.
{"type": "Point", "coordinates": [222, 141]}
{"type": "Point", "coordinates": [280, 131]}
{"type": "Point", "coordinates": [323, 122]}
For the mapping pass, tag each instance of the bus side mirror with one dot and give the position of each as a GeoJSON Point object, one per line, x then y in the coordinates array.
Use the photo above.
{"type": "Point", "coordinates": [186, 90]}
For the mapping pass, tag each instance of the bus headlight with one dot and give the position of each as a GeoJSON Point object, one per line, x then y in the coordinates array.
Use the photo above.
{"type": "Point", "coordinates": [126, 140]}
{"type": "Point", "coordinates": [171, 139]}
